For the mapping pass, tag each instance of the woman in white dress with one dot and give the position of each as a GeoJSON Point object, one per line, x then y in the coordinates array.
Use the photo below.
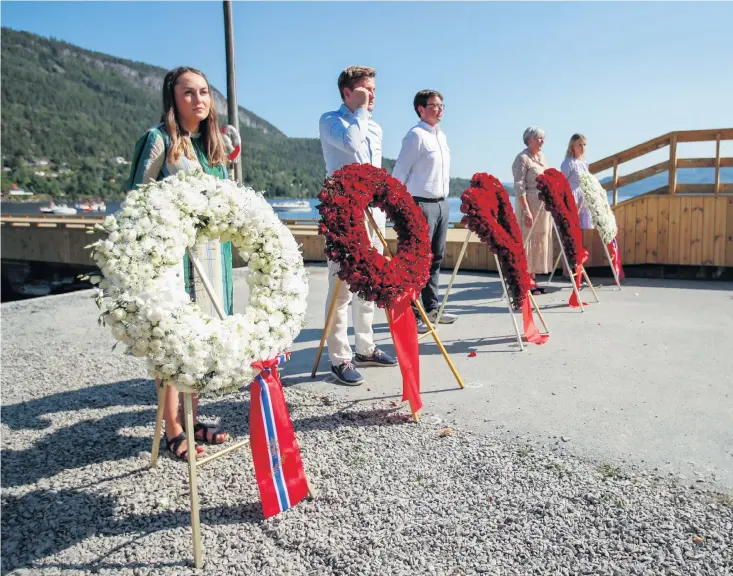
{"type": "Point", "coordinates": [573, 166]}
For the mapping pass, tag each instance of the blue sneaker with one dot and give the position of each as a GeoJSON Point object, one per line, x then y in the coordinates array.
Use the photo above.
{"type": "Point", "coordinates": [347, 374]}
{"type": "Point", "coordinates": [377, 358]}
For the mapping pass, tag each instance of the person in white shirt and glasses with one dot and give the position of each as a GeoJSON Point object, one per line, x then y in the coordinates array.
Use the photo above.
{"type": "Point", "coordinates": [424, 167]}
{"type": "Point", "coordinates": [350, 135]}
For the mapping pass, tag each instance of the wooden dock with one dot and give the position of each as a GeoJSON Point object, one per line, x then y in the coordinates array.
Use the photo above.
{"type": "Point", "coordinates": [678, 224]}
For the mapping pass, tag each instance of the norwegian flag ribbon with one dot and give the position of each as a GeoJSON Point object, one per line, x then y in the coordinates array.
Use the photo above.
{"type": "Point", "coordinates": [275, 452]}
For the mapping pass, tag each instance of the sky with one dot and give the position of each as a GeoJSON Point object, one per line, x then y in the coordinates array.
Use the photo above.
{"type": "Point", "coordinates": [618, 72]}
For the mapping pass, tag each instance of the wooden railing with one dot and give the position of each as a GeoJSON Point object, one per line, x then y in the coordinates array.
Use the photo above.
{"type": "Point", "coordinates": [671, 139]}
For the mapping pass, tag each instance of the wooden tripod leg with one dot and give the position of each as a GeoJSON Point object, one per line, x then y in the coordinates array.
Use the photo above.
{"type": "Point", "coordinates": [509, 304]}
{"type": "Point", "coordinates": [450, 284]}
{"type": "Point", "coordinates": [534, 222]}
{"type": "Point", "coordinates": [554, 268]}
{"type": "Point", "coordinates": [419, 306]}
{"type": "Point", "coordinates": [573, 275]}
{"type": "Point", "coordinates": [162, 389]}
{"type": "Point", "coordinates": [201, 273]}
{"type": "Point", "coordinates": [312, 494]}
{"type": "Point", "coordinates": [537, 309]}
{"type": "Point", "coordinates": [327, 327]}
{"type": "Point", "coordinates": [590, 284]}
{"type": "Point", "coordinates": [567, 264]}
{"type": "Point", "coordinates": [443, 351]}
{"type": "Point", "coordinates": [192, 482]}
{"type": "Point", "coordinates": [613, 268]}
{"type": "Point", "coordinates": [453, 276]}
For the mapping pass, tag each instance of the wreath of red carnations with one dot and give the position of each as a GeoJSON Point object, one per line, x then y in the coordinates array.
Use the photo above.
{"type": "Point", "coordinates": [344, 198]}
{"type": "Point", "coordinates": [554, 190]}
{"type": "Point", "coordinates": [489, 214]}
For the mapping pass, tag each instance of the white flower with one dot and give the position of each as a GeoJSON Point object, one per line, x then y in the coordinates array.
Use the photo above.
{"type": "Point", "coordinates": [601, 213]}
{"type": "Point", "coordinates": [143, 291]}
{"type": "Point", "coordinates": [154, 314]}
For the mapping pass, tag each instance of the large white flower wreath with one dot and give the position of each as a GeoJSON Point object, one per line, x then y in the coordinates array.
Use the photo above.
{"type": "Point", "coordinates": [596, 198]}
{"type": "Point", "coordinates": [142, 292]}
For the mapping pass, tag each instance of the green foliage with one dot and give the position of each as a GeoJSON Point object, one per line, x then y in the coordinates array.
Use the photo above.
{"type": "Point", "coordinates": [81, 109]}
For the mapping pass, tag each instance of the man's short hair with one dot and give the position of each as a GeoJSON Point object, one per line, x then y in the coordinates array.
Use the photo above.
{"type": "Point", "coordinates": [422, 97]}
{"type": "Point", "coordinates": [351, 75]}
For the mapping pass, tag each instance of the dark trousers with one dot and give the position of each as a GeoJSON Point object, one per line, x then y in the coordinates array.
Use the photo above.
{"type": "Point", "coordinates": [437, 215]}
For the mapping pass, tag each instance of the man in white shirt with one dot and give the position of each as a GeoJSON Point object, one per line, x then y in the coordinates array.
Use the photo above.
{"type": "Point", "coordinates": [424, 167]}
{"type": "Point", "coordinates": [350, 135]}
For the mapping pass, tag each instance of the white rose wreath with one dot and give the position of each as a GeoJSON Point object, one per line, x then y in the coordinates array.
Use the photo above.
{"type": "Point", "coordinates": [142, 292]}
{"type": "Point", "coordinates": [596, 198]}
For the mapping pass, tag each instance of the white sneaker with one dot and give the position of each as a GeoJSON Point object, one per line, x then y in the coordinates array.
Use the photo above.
{"type": "Point", "coordinates": [445, 317]}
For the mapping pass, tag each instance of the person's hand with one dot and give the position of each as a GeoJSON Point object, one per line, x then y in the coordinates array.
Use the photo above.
{"type": "Point", "coordinates": [359, 98]}
{"type": "Point", "coordinates": [528, 220]}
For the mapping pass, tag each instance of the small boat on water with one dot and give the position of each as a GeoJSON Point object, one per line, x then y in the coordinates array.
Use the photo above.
{"type": "Point", "coordinates": [64, 210]}
{"type": "Point", "coordinates": [292, 206]}
{"type": "Point", "coordinates": [92, 207]}
{"type": "Point", "coordinates": [60, 210]}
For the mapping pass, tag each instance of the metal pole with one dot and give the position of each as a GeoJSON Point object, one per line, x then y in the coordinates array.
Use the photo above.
{"type": "Point", "coordinates": [232, 109]}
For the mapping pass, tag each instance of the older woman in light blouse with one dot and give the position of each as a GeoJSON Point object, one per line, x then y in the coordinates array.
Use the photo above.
{"type": "Point", "coordinates": [528, 165]}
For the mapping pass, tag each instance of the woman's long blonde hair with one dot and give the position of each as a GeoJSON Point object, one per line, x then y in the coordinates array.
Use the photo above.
{"type": "Point", "coordinates": [573, 139]}
{"type": "Point", "coordinates": [209, 128]}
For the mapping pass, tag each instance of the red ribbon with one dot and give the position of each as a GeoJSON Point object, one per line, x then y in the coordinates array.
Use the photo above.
{"type": "Point", "coordinates": [278, 467]}
{"type": "Point", "coordinates": [574, 302]}
{"type": "Point", "coordinates": [404, 335]}
{"type": "Point", "coordinates": [616, 259]}
{"type": "Point", "coordinates": [531, 332]}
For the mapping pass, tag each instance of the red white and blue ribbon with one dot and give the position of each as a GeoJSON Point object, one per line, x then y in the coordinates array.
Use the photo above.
{"type": "Point", "coordinates": [278, 467]}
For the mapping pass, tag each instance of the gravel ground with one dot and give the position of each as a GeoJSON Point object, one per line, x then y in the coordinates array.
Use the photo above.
{"type": "Point", "coordinates": [394, 497]}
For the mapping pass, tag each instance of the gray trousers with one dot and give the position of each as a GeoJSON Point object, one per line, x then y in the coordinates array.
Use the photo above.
{"type": "Point", "coordinates": [437, 215]}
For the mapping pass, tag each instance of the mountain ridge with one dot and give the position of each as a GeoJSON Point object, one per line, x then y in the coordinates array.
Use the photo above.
{"type": "Point", "coordinates": [83, 110]}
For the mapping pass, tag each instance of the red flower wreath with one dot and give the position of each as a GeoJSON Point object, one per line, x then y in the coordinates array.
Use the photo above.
{"type": "Point", "coordinates": [489, 214]}
{"type": "Point", "coordinates": [554, 190]}
{"type": "Point", "coordinates": [344, 199]}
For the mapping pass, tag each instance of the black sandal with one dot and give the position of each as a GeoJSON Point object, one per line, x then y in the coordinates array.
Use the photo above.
{"type": "Point", "coordinates": [206, 429]}
{"type": "Point", "coordinates": [174, 444]}
{"type": "Point", "coordinates": [537, 290]}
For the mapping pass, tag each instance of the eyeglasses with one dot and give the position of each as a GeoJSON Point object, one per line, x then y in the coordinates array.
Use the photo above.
{"type": "Point", "coordinates": [436, 106]}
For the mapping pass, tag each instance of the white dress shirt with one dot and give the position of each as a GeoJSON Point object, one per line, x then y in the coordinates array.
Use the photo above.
{"type": "Point", "coordinates": [348, 137]}
{"type": "Point", "coordinates": [424, 162]}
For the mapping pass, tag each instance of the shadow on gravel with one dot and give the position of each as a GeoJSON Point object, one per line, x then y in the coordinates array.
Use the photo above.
{"type": "Point", "coordinates": [46, 522]}
{"type": "Point", "coordinates": [32, 415]}
{"type": "Point", "coordinates": [76, 446]}
{"type": "Point", "coordinates": [465, 346]}
{"type": "Point", "coordinates": [97, 440]}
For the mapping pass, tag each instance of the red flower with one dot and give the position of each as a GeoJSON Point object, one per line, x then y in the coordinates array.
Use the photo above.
{"type": "Point", "coordinates": [554, 190]}
{"type": "Point", "coordinates": [489, 214]}
{"type": "Point", "coordinates": [344, 198]}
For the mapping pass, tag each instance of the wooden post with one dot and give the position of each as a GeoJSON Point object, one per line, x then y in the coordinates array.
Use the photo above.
{"type": "Point", "coordinates": [615, 181]}
{"type": "Point", "coordinates": [198, 557]}
{"type": "Point", "coordinates": [673, 164]}
{"type": "Point", "coordinates": [717, 163]}
{"type": "Point", "coordinates": [232, 109]}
